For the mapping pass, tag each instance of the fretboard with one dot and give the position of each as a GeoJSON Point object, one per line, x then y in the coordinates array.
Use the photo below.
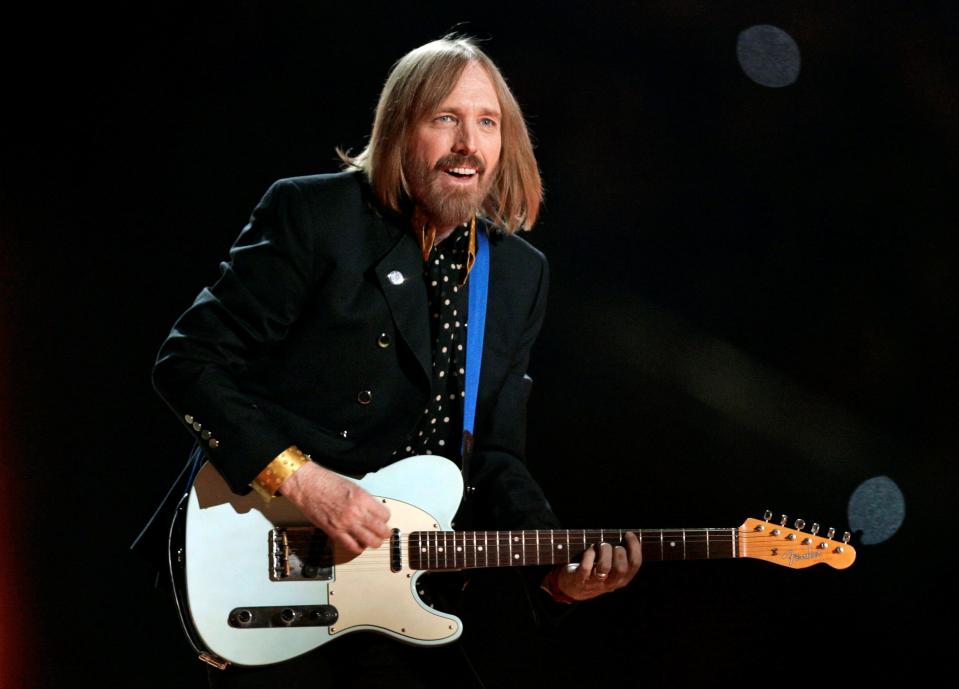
{"type": "Point", "coordinates": [437, 550]}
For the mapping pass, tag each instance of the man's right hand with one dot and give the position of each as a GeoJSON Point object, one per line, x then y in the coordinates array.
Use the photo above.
{"type": "Point", "coordinates": [351, 517]}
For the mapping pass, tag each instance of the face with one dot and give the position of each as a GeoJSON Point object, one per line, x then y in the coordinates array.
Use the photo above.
{"type": "Point", "coordinates": [454, 150]}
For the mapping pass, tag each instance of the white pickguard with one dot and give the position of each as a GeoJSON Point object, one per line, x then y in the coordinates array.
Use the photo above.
{"type": "Point", "coordinates": [228, 559]}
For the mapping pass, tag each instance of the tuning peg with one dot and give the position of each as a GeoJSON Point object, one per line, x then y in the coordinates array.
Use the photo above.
{"type": "Point", "coordinates": [830, 533]}
{"type": "Point", "coordinates": [800, 524]}
{"type": "Point", "coordinates": [767, 515]}
{"type": "Point", "coordinates": [846, 536]}
{"type": "Point", "coordinates": [814, 529]}
{"type": "Point", "coordinates": [782, 522]}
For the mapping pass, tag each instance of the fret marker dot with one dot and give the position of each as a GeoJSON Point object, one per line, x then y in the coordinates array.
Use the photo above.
{"type": "Point", "coordinates": [672, 544]}
{"type": "Point", "coordinates": [515, 539]}
{"type": "Point", "coordinates": [422, 550]}
{"type": "Point", "coordinates": [559, 547]}
{"type": "Point", "coordinates": [440, 550]}
{"type": "Point", "coordinates": [516, 556]}
{"type": "Point", "coordinates": [480, 549]}
{"type": "Point", "coordinates": [459, 549]}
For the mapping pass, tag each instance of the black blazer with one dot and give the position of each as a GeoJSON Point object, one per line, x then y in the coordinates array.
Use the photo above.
{"type": "Point", "coordinates": [306, 339]}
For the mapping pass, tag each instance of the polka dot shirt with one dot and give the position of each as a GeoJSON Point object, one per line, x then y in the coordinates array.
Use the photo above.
{"type": "Point", "coordinates": [441, 426]}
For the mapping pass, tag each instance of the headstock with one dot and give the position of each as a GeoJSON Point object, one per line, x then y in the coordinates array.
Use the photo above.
{"type": "Point", "coordinates": [793, 547]}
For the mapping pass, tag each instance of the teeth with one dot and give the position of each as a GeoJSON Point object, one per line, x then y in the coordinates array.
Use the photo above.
{"type": "Point", "coordinates": [463, 170]}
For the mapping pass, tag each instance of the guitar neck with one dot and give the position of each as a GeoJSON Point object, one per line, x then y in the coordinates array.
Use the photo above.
{"type": "Point", "coordinates": [439, 550]}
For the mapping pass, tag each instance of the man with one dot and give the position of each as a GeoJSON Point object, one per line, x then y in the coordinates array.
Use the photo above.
{"type": "Point", "coordinates": [334, 341]}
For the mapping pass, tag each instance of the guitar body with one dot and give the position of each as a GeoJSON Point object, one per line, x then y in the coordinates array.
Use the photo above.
{"type": "Point", "coordinates": [228, 557]}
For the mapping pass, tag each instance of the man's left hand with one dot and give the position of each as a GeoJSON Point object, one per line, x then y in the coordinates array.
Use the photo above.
{"type": "Point", "coordinates": [602, 569]}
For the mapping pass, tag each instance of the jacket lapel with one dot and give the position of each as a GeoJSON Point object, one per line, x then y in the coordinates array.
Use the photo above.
{"type": "Point", "coordinates": [399, 274]}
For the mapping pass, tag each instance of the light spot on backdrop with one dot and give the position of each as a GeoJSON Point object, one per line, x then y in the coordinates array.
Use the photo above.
{"type": "Point", "coordinates": [877, 509]}
{"type": "Point", "coordinates": [768, 55]}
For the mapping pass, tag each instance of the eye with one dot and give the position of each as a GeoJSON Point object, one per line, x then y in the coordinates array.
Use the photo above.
{"type": "Point", "coordinates": [488, 122]}
{"type": "Point", "coordinates": [444, 119]}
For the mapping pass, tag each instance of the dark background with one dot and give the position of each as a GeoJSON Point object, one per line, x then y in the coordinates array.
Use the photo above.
{"type": "Point", "coordinates": [753, 304]}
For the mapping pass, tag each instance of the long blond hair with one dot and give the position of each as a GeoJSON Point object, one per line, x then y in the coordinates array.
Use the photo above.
{"type": "Point", "coordinates": [417, 84]}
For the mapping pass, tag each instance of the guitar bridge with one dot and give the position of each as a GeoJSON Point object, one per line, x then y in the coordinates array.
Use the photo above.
{"type": "Point", "coordinates": [300, 553]}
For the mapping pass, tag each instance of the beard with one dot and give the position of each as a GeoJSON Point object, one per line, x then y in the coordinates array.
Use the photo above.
{"type": "Point", "coordinates": [447, 206]}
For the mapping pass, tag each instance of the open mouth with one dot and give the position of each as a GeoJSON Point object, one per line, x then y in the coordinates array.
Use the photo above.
{"type": "Point", "coordinates": [462, 172]}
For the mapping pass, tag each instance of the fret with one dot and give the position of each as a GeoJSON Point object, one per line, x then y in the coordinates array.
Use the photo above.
{"type": "Point", "coordinates": [707, 544]}
{"type": "Point", "coordinates": [486, 546]}
{"type": "Point", "coordinates": [662, 550]}
{"type": "Point", "coordinates": [674, 550]}
{"type": "Point", "coordinates": [552, 548]}
{"type": "Point", "coordinates": [732, 533]}
{"type": "Point", "coordinates": [537, 546]}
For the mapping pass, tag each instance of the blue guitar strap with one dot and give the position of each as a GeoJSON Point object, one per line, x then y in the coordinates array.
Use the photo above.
{"type": "Point", "coordinates": [475, 329]}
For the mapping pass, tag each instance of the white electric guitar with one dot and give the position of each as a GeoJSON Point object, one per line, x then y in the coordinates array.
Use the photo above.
{"type": "Point", "coordinates": [255, 584]}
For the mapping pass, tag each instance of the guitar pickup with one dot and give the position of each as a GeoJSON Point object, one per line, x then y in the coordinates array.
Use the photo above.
{"type": "Point", "coordinates": [283, 616]}
{"type": "Point", "coordinates": [300, 553]}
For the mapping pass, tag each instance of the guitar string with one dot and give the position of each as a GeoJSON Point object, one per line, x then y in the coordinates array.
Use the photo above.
{"type": "Point", "coordinates": [592, 538]}
{"type": "Point", "coordinates": [376, 557]}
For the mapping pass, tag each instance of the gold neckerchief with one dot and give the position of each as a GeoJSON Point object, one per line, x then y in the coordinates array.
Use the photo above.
{"type": "Point", "coordinates": [426, 236]}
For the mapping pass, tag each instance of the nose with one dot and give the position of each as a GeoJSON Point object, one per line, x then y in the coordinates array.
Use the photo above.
{"type": "Point", "coordinates": [465, 141]}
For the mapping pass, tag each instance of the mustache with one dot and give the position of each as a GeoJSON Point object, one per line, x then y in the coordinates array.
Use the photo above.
{"type": "Point", "coordinates": [454, 160]}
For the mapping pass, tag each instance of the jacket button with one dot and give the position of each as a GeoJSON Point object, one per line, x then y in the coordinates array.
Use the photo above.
{"type": "Point", "coordinates": [197, 426]}
{"type": "Point", "coordinates": [214, 443]}
{"type": "Point", "coordinates": [364, 396]}
{"type": "Point", "coordinates": [344, 434]}
{"type": "Point", "coordinates": [188, 418]}
{"type": "Point", "coordinates": [383, 340]}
